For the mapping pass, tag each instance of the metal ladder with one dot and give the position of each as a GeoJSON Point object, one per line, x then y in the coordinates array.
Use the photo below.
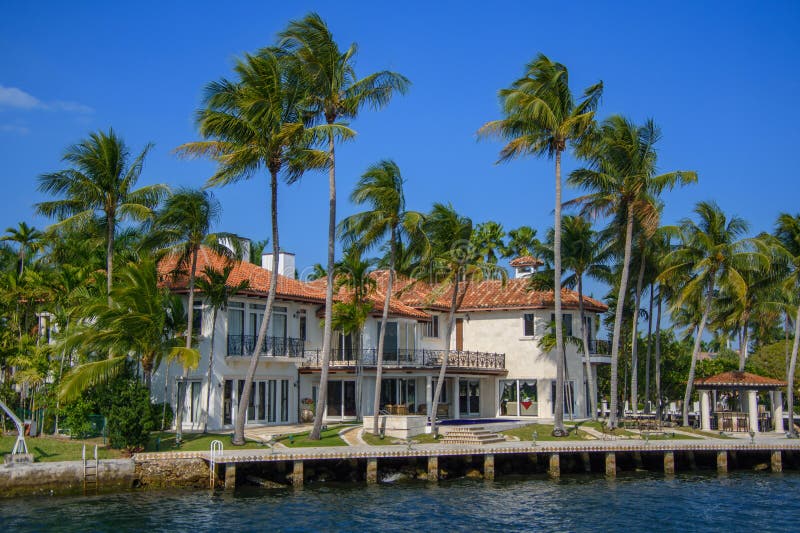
{"type": "Point", "coordinates": [215, 452]}
{"type": "Point", "coordinates": [91, 469]}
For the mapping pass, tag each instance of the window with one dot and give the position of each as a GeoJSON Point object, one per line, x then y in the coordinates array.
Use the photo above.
{"type": "Point", "coordinates": [518, 397]}
{"type": "Point", "coordinates": [566, 319]}
{"type": "Point", "coordinates": [432, 327]}
{"type": "Point", "coordinates": [443, 398]}
{"type": "Point", "coordinates": [528, 330]}
{"type": "Point", "coordinates": [197, 319]}
{"type": "Point", "coordinates": [569, 397]}
{"type": "Point", "coordinates": [302, 332]}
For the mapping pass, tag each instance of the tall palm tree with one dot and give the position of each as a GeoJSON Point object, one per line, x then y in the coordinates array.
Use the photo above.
{"type": "Point", "coordinates": [213, 285]}
{"type": "Point", "coordinates": [133, 324]}
{"type": "Point", "coordinates": [181, 228]}
{"type": "Point", "coordinates": [334, 94]}
{"type": "Point", "coordinates": [252, 124]}
{"type": "Point", "coordinates": [542, 118]}
{"type": "Point", "coordinates": [489, 238]}
{"type": "Point", "coordinates": [452, 259]}
{"type": "Point", "coordinates": [787, 231]}
{"type": "Point", "coordinates": [100, 184]}
{"type": "Point", "coordinates": [622, 180]}
{"type": "Point", "coordinates": [711, 255]}
{"type": "Point", "coordinates": [27, 238]}
{"type": "Point", "coordinates": [381, 188]}
{"type": "Point", "coordinates": [522, 241]}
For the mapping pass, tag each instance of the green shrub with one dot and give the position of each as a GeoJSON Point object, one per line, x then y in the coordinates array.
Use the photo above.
{"type": "Point", "coordinates": [130, 418]}
{"type": "Point", "coordinates": [76, 417]}
{"type": "Point", "coordinates": [158, 413]}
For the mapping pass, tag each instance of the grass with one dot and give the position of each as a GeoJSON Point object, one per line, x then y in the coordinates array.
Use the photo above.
{"type": "Point", "coordinates": [329, 437]}
{"type": "Point", "coordinates": [601, 427]}
{"type": "Point", "coordinates": [375, 440]}
{"type": "Point", "coordinates": [49, 449]}
{"type": "Point", "coordinates": [710, 434]}
{"type": "Point", "coordinates": [194, 442]}
{"type": "Point", "coordinates": [544, 433]}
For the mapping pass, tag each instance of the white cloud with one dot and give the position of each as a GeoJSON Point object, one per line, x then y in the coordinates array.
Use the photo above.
{"type": "Point", "coordinates": [12, 97]}
{"type": "Point", "coordinates": [14, 128]}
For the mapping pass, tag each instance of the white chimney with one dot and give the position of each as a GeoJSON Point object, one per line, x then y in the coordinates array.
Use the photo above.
{"type": "Point", "coordinates": [286, 264]}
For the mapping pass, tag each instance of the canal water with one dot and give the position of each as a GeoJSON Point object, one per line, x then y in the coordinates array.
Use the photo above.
{"type": "Point", "coordinates": [637, 502]}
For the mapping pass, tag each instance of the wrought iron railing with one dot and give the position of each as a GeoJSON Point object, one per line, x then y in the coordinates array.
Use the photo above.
{"type": "Point", "coordinates": [599, 347]}
{"type": "Point", "coordinates": [273, 346]}
{"type": "Point", "coordinates": [408, 359]}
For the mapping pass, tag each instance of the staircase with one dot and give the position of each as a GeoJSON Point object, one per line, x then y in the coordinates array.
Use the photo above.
{"type": "Point", "coordinates": [471, 435]}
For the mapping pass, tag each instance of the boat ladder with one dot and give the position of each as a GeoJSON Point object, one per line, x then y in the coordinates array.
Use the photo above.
{"type": "Point", "coordinates": [91, 468]}
{"type": "Point", "coordinates": [215, 452]}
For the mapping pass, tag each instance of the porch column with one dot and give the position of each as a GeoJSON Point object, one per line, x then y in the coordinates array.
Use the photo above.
{"type": "Point", "coordinates": [752, 409]}
{"type": "Point", "coordinates": [705, 410]}
{"type": "Point", "coordinates": [428, 394]}
{"type": "Point", "coordinates": [777, 411]}
{"type": "Point", "coordinates": [455, 398]}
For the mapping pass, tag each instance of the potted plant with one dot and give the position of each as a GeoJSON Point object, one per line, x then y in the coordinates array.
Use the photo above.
{"type": "Point", "coordinates": [307, 411]}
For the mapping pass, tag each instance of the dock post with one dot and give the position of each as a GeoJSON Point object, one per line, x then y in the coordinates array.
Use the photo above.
{"type": "Point", "coordinates": [488, 466]}
{"type": "Point", "coordinates": [693, 462]}
{"type": "Point", "coordinates": [587, 462]}
{"type": "Point", "coordinates": [433, 468]}
{"type": "Point", "coordinates": [297, 474]}
{"type": "Point", "coordinates": [611, 464]}
{"type": "Point", "coordinates": [722, 462]}
{"type": "Point", "coordinates": [372, 471]}
{"type": "Point", "coordinates": [555, 466]}
{"type": "Point", "coordinates": [775, 462]}
{"type": "Point", "coordinates": [230, 476]}
{"type": "Point", "coordinates": [637, 460]}
{"type": "Point", "coordinates": [669, 463]}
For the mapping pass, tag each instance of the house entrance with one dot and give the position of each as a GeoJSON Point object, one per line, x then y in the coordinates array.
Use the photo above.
{"type": "Point", "coordinates": [469, 397]}
{"type": "Point", "coordinates": [341, 399]}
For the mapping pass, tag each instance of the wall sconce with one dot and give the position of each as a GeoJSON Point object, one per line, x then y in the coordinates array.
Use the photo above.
{"type": "Point", "coordinates": [467, 317]}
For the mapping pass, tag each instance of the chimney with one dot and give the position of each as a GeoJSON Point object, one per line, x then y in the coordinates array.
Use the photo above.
{"type": "Point", "coordinates": [286, 264]}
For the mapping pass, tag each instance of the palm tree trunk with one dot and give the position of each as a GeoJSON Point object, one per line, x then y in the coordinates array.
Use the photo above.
{"type": "Point", "coordinates": [586, 354]}
{"type": "Point", "coordinates": [376, 404]}
{"type": "Point", "coordinates": [327, 332]}
{"type": "Point", "coordinates": [623, 286]}
{"type": "Point", "coordinates": [558, 410]}
{"type": "Point", "coordinates": [190, 315]}
{"type": "Point", "coordinates": [109, 254]}
{"type": "Point", "coordinates": [166, 401]}
{"type": "Point", "coordinates": [244, 401]}
{"type": "Point", "coordinates": [743, 342]}
{"type": "Point", "coordinates": [635, 337]}
{"type": "Point", "coordinates": [209, 384]}
{"type": "Point", "coordinates": [451, 321]}
{"type": "Point", "coordinates": [790, 375]}
{"type": "Point", "coordinates": [649, 352]}
{"type": "Point", "coordinates": [687, 397]}
{"type": "Point", "coordinates": [658, 359]}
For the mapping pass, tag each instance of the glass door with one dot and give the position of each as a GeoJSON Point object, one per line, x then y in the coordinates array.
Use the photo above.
{"type": "Point", "coordinates": [390, 342]}
{"type": "Point", "coordinates": [469, 397]}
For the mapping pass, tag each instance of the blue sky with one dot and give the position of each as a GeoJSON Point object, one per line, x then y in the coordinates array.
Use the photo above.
{"type": "Point", "coordinates": [718, 77]}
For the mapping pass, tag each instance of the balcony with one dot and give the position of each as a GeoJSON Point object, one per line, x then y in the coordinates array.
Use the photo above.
{"type": "Point", "coordinates": [600, 351]}
{"type": "Point", "coordinates": [412, 359]}
{"type": "Point", "coordinates": [242, 345]}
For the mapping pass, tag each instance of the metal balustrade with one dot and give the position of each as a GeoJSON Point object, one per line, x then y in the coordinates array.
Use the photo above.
{"type": "Point", "coordinates": [408, 359]}
{"type": "Point", "coordinates": [273, 346]}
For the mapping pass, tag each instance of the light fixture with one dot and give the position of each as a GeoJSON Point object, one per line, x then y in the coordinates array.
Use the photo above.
{"type": "Point", "coordinates": [467, 317]}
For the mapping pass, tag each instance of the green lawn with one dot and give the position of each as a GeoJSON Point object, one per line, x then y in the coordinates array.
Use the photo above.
{"type": "Point", "coordinates": [49, 449]}
{"type": "Point", "coordinates": [601, 427]}
{"type": "Point", "coordinates": [194, 442]}
{"type": "Point", "coordinates": [374, 440]}
{"type": "Point", "coordinates": [544, 433]}
{"type": "Point", "coordinates": [710, 434]}
{"type": "Point", "coordinates": [329, 437]}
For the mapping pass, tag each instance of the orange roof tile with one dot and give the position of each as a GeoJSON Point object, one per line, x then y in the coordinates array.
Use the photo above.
{"type": "Point", "coordinates": [526, 260]}
{"type": "Point", "coordinates": [738, 379]}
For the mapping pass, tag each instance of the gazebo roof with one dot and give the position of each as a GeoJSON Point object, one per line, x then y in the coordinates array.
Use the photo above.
{"type": "Point", "coordinates": [734, 379]}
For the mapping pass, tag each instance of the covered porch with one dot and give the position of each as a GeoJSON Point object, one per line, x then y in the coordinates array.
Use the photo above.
{"type": "Point", "coordinates": [730, 402]}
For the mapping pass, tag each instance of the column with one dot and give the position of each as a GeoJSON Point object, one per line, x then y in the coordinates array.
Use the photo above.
{"type": "Point", "coordinates": [433, 468]}
{"type": "Point", "coordinates": [230, 476]}
{"type": "Point", "coordinates": [777, 411]}
{"type": "Point", "coordinates": [611, 464]}
{"type": "Point", "coordinates": [372, 471]}
{"type": "Point", "coordinates": [705, 410]}
{"type": "Point", "coordinates": [488, 467]}
{"type": "Point", "coordinates": [775, 461]}
{"type": "Point", "coordinates": [428, 394]}
{"type": "Point", "coordinates": [455, 398]}
{"type": "Point", "coordinates": [752, 409]}
{"type": "Point", "coordinates": [669, 463]}
{"type": "Point", "coordinates": [297, 474]}
{"type": "Point", "coordinates": [722, 462]}
{"type": "Point", "coordinates": [555, 466]}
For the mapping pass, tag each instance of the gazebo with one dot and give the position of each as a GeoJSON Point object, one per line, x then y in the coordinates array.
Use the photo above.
{"type": "Point", "coordinates": [735, 401]}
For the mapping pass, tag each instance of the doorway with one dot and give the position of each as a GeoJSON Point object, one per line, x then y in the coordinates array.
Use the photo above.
{"type": "Point", "coordinates": [341, 399]}
{"type": "Point", "coordinates": [469, 397]}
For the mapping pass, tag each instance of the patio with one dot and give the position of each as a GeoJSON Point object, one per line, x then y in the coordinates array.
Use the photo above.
{"type": "Point", "coordinates": [729, 402]}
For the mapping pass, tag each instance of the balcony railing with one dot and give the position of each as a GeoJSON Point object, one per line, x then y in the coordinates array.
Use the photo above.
{"type": "Point", "coordinates": [408, 359]}
{"type": "Point", "coordinates": [599, 347]}
{"type": "Point", "coordinates": [273, 346]}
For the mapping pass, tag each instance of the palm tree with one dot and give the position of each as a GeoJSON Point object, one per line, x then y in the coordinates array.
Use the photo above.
{"type": "Point", "coordinates": [181, 228]}
{"type": "Point", "coordinates": [381, 187]}
{"type": "Point", "coordinates": [132, 325]}
{"type": "Point", "coordinates": [541, 119]}
{"type": "Point", "coordinates": [711, 255]}
{"type": "Point", "coordinates": [213, 284]}
{"type": "Point", "coordinates": [451, 258]}
{"type": "Point", "coordinates": [100, 184]}
{"type": "Point", "coordinates": [317, 272]}
{"type": "Point", "coordinates": [787, 232]}
{"type": "Point", "coordinates": [488, 239]}
{"type": "Point", "coordinates": [251, 124]}
{"type": "Point", "coordinates": [334, 94]}
{"type": "Point", "coordinates": [522, 241]}
{"type": "Point", "coordinates": [27, 238]}
{"type": "Point", "coordinates": [622, 181]}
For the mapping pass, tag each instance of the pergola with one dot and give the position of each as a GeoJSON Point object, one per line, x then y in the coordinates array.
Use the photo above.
{"type": "Point", "coordinates": [748, 384]}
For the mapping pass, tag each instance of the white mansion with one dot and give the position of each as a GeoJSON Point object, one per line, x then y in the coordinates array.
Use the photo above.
{"type": "Point", "coordinates": [496, 368]}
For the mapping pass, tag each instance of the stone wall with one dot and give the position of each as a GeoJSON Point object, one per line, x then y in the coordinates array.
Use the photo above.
{"type": "Point", "coordinates": [171, 472]}
{"type": "Point", "coordinates": [65, 477]}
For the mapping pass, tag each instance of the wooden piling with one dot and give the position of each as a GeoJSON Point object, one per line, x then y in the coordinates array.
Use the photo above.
{"type": "Point", "coordinates": [611, 464]}
{"type": "Point", "coordinates": [669, 463]}
{"type": "Point", "coordinates": [433, 468]}
{"type": "Point", "coordinates": [230, 476]}
{"type": "Point", "coordinates": [587, 462]}
{"type": "Point", "coordinates": [297, 474]}
{"type": "Point", "coordinates": [637, 460]}
{"type": "Point", "coordinates": [775, 461]}
{"type": "Point", "coordinates": [555, 466]}
{"type": "Point", "coordinates": [722, 462]}
{"type": "Point", "coordinates": [372, 471]}
{"type": "Point", "coordinates": [488, 467]}
{"type": "Point", "coordinates": [692, 461]}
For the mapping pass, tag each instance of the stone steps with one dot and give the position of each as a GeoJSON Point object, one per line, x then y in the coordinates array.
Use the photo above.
{"type": "Point", "coordinates": [471, 435]}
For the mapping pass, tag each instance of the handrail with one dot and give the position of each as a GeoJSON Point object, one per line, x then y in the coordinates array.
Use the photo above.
{"type": "Point", "coordinates": [216, 451]}
{"type": "Point", "coordinates": [20, 447]}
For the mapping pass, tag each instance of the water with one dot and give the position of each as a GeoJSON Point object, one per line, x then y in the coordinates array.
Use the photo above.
{"type": "Point", "coordinates": [738, 502]}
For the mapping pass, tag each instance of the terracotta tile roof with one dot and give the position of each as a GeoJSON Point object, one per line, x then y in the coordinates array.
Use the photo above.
{"type": "Point", "coordinates": [525, 261]}
{"type": "Point", "coordinates": [259, 278]}
{"type": "Point", "coordinates": [738, 379]}
{"type": "Point", "coordinates": [396, 306]}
